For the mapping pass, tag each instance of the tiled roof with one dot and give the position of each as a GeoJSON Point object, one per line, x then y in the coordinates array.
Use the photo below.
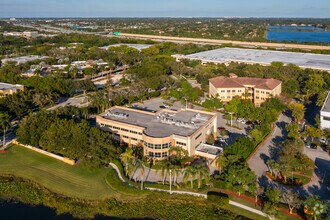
{"type": "Point", "coordinates": [227, 82]}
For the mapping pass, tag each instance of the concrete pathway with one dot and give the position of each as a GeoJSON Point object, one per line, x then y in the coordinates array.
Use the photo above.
{"type": "Point", "coordinates": [258, 212]}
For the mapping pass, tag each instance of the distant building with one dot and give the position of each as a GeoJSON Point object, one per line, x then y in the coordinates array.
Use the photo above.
{"type": "Point", "coordinates": [157, 132]}
{"type": "Point", "coordinates": [256, 89]}
{"type": "Point", "coordinates": [27, 34]}
{"type": "Point", "coordinates": [9, 89]}
{"type": "Point", "coordinates": [23, 59]}
{"type": "Point", "coordinates": [325, 113]}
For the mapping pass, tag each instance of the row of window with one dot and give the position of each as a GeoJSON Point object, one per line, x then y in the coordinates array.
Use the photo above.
{"type": "Point", "coordinates": [223, 91]}
{"type": "Point", "coordinates": [181, 143]}
{"type": "Point", "coordinates": [198, 136]}
{"type": "Point", "coordinates": [121, 129]}
{"type": "Point", "coordinates": [262, 92]}
{"type": "Point", "coordinates": [262, 98]}
{"type": "Point", "coordinates": [157, 146]}
{"type": "Point", "coordinates": [326, 118]}
{"type": "Point", "coordinates": [158, 155]}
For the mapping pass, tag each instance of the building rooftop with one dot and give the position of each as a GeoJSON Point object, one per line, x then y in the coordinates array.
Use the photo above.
{"type": "Point", "coordinates": [135, 46]}
{"type": "Point", "coordinates": [24, 59]}
{"type": "Point", "coordinates": [236, 82]}
{"type": "Point", "coordinates": [163, 123]}
{"type": "Point", "coordinates": [224, 55]}
{"type": "Point", "coordinates": [209, 149]}
{"type": "Point", "coordinates": [326, 105]}
{"type": "Point", "coordinates": [5, 86]}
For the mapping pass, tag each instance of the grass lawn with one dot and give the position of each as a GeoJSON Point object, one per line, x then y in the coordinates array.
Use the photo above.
{"type": "Point", "coordinates": [73, 181]}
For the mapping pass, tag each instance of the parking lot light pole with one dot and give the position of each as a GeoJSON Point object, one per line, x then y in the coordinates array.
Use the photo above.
{"type": "Point", "coordinates": [170, 181]}
{"type": "Point", "coordinates": [231, 118]}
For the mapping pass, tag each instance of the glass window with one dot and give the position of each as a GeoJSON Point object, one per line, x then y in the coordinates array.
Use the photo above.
{"type": "Point", "coordinates": [158, 155]}
{"type": "Point", "coordinates": [228, 90]}
{"type": "Point", "coordinates": [234, 91]}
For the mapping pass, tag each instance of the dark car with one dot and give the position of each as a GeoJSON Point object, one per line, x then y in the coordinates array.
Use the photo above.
{"type": "Point", "coordinates": [313, 146]}
{"type": "Point", "coordinates": [221, 128]}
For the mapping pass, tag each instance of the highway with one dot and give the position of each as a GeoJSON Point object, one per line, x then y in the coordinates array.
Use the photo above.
{"type": "Point", "coordinates": [216, 41]}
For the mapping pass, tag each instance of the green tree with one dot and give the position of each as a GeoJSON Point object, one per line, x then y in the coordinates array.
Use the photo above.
{"type": "Point", "coordinates": [293, 130]}
{"type": "Point", "coordinates": [298, 111]}
{"type": "Point", "coordinates": [317, 206]}
{"type": "Point", "coordinates": [202, 172]}
{"type": "Point", "coordinates": [189, 174]}
{"type": "Point", "coordinates": [4, 125]}
{"type": "Point", "coordinates": [220, 162]}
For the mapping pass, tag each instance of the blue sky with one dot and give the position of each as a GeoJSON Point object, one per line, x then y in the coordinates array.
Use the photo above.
{"type": "Point", "coordinates": [164, 8]}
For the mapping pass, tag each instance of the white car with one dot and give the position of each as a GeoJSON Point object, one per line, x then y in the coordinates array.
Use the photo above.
{"type": "Point", "coordinates": [323, 140]}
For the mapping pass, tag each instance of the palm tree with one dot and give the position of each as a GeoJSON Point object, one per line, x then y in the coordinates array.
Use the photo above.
{"type": "Point", "coordinates": [220, 162]}
{"type": "Point", "coordinates": [127, 160]}
{"type": "Point", "coordinates": [164, 167]}
{"type": "Point", "coordinates": [189, 173]}
{"type": "Point", "coordinates": [4, 125]}
{"type": "Point", "coordinates": [202, 172]}
{"type": "Point", "coordinates": [139, 166]}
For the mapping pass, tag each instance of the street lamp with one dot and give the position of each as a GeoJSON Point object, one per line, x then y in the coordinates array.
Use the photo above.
{"type": "Point", "coordinates": [231, 118]}
{"type": "Point", "coordinates": [170, 181]}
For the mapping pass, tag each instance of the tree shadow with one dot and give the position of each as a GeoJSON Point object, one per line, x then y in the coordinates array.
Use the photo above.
{"type": "Point", "coordinates": [264, 157]}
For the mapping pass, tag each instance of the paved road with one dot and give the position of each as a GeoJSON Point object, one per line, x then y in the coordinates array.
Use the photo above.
{"type": "Point", "coordinates": [268, 149]}
{"type": "Point", "coordinates": [78, 101]}
{"type": "Point", "coordinates": [320, 183]}
{"type": "Point", "coordinates": [215, 41]}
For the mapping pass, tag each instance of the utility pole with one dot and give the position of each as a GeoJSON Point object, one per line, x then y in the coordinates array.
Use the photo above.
{"type": "Point", "coordinates": [231, 118]}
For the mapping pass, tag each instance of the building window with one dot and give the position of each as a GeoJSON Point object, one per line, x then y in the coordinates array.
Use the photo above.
{"type": "Point", "coordinates": [326, 118]}
{"type": "Point", "coordinates": [223, 97]}
{"type": "Point", "coordinates": [239, 90]}
{"type": "Point", "coordinates": [198, 136]}
{"type": "Point", "coordinates": [124, 136]}
{"type": "Point", "coordinates": [267, 92]}
{"type": "Point", "coordinates": [228, 97]}
{"type": "Point", "coordinates": [164, 154]}
{"type": "Point", "coordinates": [257, 91]}
{"type": "Point", "coordinates": [134, 139]}
{"type": "Point", "coordinates": [181, 143]}
{"type": "Point", "coordinates": [158, 146]}
{"type": "Point", "coordinates": [228, 90]}
{"type": "Point", "coordinates": [233, 90]}
{"type": "Point", "coordinates": [223, 91]}
{"type": "Point", "coordinates": [151, 154]}
{"type": "Point", "coordinates": [257, 97]}
{"type": "Point", "coordinates": [158, 155]}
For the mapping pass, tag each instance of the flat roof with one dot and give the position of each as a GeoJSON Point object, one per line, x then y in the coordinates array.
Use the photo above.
{"type": "Point", "coordinates": [135, 46]}
{"type": "Point", "coordinates": [24, 59]}
{"type": "Point", "coordinates": [4, 86]}
{"type": "Point", "coordinates": [326, 105]}
{"type": "Point", "coordinates": [163, 123]}
{"type": "Point", "coordinates": [209, 149]}
{"type": "Point", "coordinates": [224, 55]}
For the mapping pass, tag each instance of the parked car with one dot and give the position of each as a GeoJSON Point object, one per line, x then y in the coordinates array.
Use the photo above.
{"type": "Point", "coordinates": [241, 120]}
{"type": "Point", "coordinates": [313, 146]}
{"type": "Point", "coordinates": [308, 144]}
{"type": "Point", "coordinates": [323, 140]}
{"type": "Point", "coordinates": [221, 129]}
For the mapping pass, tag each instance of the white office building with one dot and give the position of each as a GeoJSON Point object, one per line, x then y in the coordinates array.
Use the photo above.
{"type": "Point", "coordinates": [325, 113]}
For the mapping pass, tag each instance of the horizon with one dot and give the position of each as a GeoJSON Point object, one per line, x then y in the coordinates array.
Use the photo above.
{"type": "Point", "coordinates": [167, 9]}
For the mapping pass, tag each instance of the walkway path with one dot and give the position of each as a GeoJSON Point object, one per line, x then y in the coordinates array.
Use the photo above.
{"type": "Point", "coordinates": [114, 166]}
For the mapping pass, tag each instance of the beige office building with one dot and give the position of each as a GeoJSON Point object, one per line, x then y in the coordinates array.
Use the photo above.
{"type": "Point", "coordinates": [9, 89]}
{"type": "Point", "coordinates": [256, 89]}
{"type": "Point", "coordinates": [158, 131]}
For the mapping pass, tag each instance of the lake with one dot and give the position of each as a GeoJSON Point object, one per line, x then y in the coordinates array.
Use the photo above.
{"type": "Point", "coordinates": [18, 211]}
{"type": "Point", "coordinates": [298, 34]}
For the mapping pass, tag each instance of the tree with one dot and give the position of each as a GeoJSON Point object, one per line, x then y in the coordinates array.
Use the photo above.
{"type": "Point", "coordinates": [313, 132]}
{"type": "Point", "coordinates": [273, 195]}
{"type": "Point", "coordinates": [220, 162]}
{"type": "Point", "coordinates": [317, 206]}
{"type": "Point", "coordinates": [293, 130]}
{"type": "Point", "coordinates": [298, 111]}
{"type": "Point", "coordinates": [4, 125]}
{"type": "Point", "coordinates": [139, 166]}
{"type": "Point", "coordinates": [127, 160]}
{"type": "Point", "coordinates": [292, 199]}
{"type": "Point", "coordinates": [164, 166]}
{"type": "Point", "coordinates": [202, 172]}
{"type": "Point", "coordinates": [210, 139]}
{"type": "Point", "coordinates": [190, 173]}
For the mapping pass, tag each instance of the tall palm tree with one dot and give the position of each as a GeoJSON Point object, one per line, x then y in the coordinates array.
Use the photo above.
{"type": "Point", "coordinates": [139, 166]}
{"type": "Point", "coordinates": [127, 160]}
{"type": "Point", "coordinates": [220, 162]}
{"type": "Point", "coordinates": [4, 125]}
{"type": "Point", "coordinates": [164, 167]}
{"type": "Point", "coordinates": [202, 172]}
{"type": "Point", "coordinates": [189, 173]}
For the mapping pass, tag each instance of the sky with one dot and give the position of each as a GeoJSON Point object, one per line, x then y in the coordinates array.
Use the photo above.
{"type": "Point", "coordinates": [165, 8]}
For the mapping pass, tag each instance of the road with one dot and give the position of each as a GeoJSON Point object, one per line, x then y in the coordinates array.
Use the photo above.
{"type": "Point", "coordinates": [215, 41]}
{"type": "Point", "coordinates": [78, 101]}
{"type": "Point", "coordinates": [320, 182]}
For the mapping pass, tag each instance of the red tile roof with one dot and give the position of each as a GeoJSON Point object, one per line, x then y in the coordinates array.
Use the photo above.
{"type": "Point", "coordinates": [227, 82]}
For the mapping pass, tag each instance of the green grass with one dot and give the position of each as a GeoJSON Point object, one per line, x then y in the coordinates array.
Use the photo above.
{"type": "Point", "coordinates": [245, 213]}
{"type": "Point", "coordinates": [72, 181]}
